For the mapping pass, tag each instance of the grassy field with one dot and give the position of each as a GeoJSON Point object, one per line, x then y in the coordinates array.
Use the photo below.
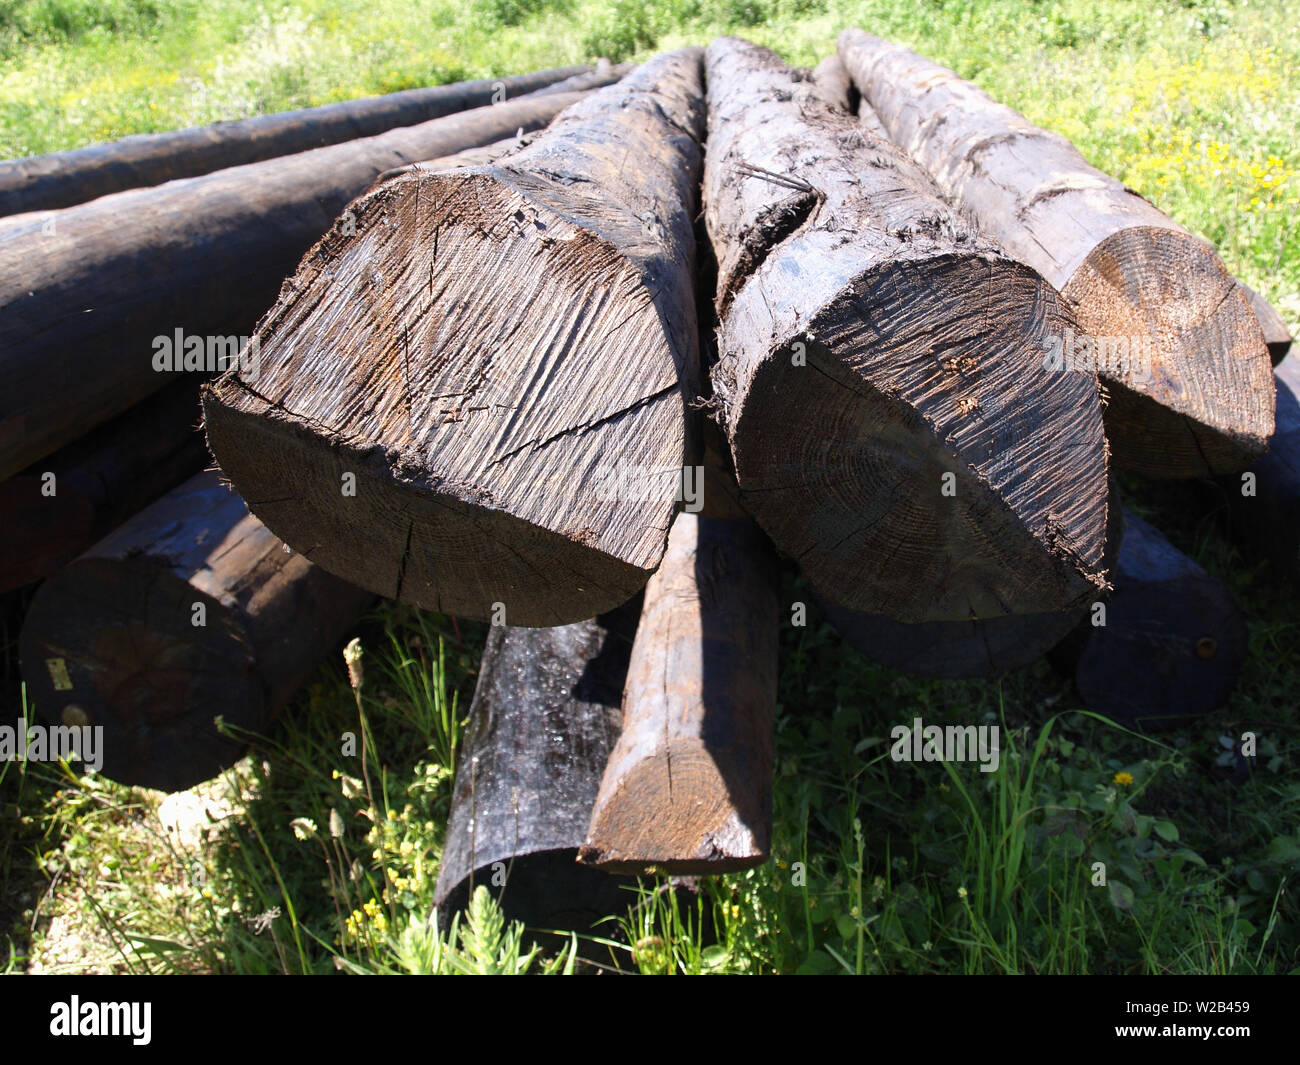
{"type": "Point", "coordinates": [292, 863]}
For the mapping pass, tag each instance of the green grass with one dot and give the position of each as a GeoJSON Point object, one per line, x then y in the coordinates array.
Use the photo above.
{"type": "Point", "coordinates": [316, 863]}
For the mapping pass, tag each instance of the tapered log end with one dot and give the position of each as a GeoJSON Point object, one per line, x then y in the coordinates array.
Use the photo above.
{"type": "Point", "coordinates": [673, 813]}
{"type": "Point", "coordinates": [475, 405]}
{"type": "Point", "coordinates": [930, 467]}
{"type": "Point", "coordinates": [118, 644]}
{"type": "Point", "coordinates": [1185, 363]}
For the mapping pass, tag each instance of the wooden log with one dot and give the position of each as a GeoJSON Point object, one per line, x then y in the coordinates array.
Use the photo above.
{"type": "Point", "coordinates": [688, 789]}
{"type": "Point", "coordinates": [962, 649]}
{"type": "Point", "coordinates": [604, 73]}
{"type": "Point", "coordinates": [56, 509]}
{"type": "Point", "coordinates": [832, 82]}
{"type": "Point", "coordinates": [1172, 644]}
{"type": "Point", "coordinates": [483, 361]}
{"type": "Point", "coordinates": [95, 297]}
{"type": "Point", "coordinates": [1193, 398]}
{"type": "Point", "coordinates": [62, 179]}
{"type": "Point", "coordinates": [545, 715]}
{"type": "Point", "coordinates": [1264, 504]}
{"type": "Point", "coordinates": [191, 610]}
{"type": "Point", "coordinates": [880, 373]}
{"type": "Point", "coordinates": [1276, 334]}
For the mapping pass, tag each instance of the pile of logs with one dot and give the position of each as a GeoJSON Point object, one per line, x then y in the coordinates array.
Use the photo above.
{"type": "Point", "coordinates": [507, 376]}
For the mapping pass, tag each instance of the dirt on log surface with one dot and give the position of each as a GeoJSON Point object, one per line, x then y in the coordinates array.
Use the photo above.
{"type": "Point", "coordinates": [880, 374]}
{"type": "Point", "coordinates": [1173, 338]}
{"type": "Point", "coordinates": [449, 399]}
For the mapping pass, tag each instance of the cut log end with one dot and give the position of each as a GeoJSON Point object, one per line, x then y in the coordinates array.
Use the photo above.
{"type": "Point", "coordinates": [903, 520]}
{"type": "Point", "coordinates": [1158, 301]}
{"type": "Point", "coordinates": [151, 675]}
{"type": "Point", "coordinates": [463, 497]}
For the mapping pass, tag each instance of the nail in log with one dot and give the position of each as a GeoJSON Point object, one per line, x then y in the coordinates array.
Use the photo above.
{"type": "Point", "coordinates": [544, 718]}
{"type": "Point", "coordinates": [478, 366]}
{"type": "Point", "coordinates": [61, 179]}
{"type": "Point", "coordinates": [880, 373]}
{"type": "Point", "coordinates": [688, 789]}
{"type": "Point", "coordinates": [105, 302]}
{"type": "Point", "coordinates": [1169, 644]}
{"type": "Point", "coordinates": [190, 611]}
{"type": "Point", "coordinates": [1177, 347]}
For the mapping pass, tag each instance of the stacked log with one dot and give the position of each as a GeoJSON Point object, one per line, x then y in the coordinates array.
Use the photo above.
{"type": "Point", "coordinates": [688, 787]}
{"type": "Point", "coordinates": [1169, 644]}
{"type": "Point", "coordinates": [880, 374]}
{"type": "Point", "coordinates": [107, 301]}
{"type": "Point", "coordinates": [1193, 399]}
{"type": "Point", "coordinates": [191, 611]}
{"type": "Point", "coordinates": [545, 716]}
{"type": "Point", "coordinates": [459, 367]}
{"type": "Point", "coordinates": [56, 509]}
{"type": "Point", "coordinates": [62, 179]}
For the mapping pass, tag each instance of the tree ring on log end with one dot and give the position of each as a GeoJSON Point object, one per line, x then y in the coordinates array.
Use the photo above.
{"type": "Point", "coordinates": [1167, 293]}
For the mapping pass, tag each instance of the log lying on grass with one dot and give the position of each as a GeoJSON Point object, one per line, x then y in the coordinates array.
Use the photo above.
{"type": "Point", "coordinates": [545, 716]}
{"type": "Point", "coordinates": [880, 373]}
{"type": "Point", "coordinates": [688, 789]}
{"type": "Point", "coordinates": [190, 611]}
{"type": "Point", "coordinates": [483, 362]}
{"type": "Point", "coordinates": [97, 295]}
{"type": "Point", "coordinates": [1193, 399]}
{"type": "Point", "coordinates": [53, 511]}
{"type": "Point", "coordinates": [61, 179]}
{"type": "Point", "coordinates": [1264, 504]}
{"type": "Point", "coordinates": [1172, 644]}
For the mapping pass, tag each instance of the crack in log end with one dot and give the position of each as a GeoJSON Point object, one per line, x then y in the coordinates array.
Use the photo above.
{"type": "Point", "coordinates": [771, 228]}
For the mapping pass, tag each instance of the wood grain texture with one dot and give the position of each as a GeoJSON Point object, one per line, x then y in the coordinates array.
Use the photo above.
{"type": "Point", "coordinates": [1202, 405]}
{"type": "Point", "coordinates": [688, 788]}
{"type": "Point", "coordinates": [119, 624]}
{"type": "Point", "coordinates": [1277, 336]}
{"type": "Point", "coordinates": [1173, 642]}
{"type": "Point", "coordinates": [545, 716]}
{"type": "Point", "coordinates": [99, 481]}
{"type": "Point", "coordinates": [920, 463]}
{"type": "Point", "coordinates": [489, 348]}
{"type": "Point", "coordinates": [961, 649]}
{"type": "Point", "coordinates": [87, 290]}
{"type": "Point", "coordinates": [62, 179]}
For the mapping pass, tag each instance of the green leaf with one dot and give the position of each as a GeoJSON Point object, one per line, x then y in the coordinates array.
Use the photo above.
{"type": "Point", "coordinates": [1166, 830]}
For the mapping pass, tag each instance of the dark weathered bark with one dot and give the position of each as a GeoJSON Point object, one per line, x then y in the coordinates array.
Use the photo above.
{"type": "Point", "coordinates": [1276, 334]}
{"type": "Point", "coordinates": [97, 483]}
{"type": "Point", "coordinates": [1195, 400]}
{"type": "Point", "coordinates": [114, 638]}
{"type": "Point", "coordinates": [545, 716]}
{"type": "Point", "coordinates": [1172, 644]}
{"type": "Point", "coordinates": [604, 74]}
{"type": "Point", "coordinates": [688, 789]}
{"type": "Point", "coordinates": [484, 356]}
{"type": "Point", "coordinates": [62, 179]}
{"type": "Point", "coordinates": [975, 648]}
{"type": "Point", "coordinates": [880, 370]}
{"type": "Point", "coordinates": [1264, 504]}
{"type": "Point", "coordinates": [832, 82]}
{"type": "Point", "coordinates": [88, 292]}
